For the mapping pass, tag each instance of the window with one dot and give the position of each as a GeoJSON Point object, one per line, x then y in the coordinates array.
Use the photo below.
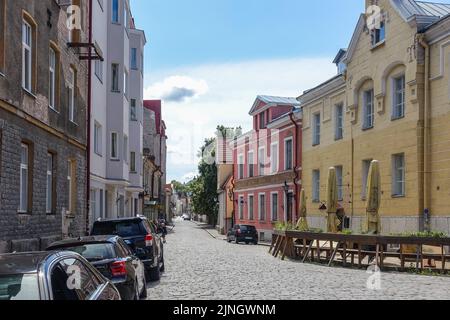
{"type": "Point", "coordinates": [339, 122]}
{"type": "Point", "coordinates": [125, 83]}
{"type": "Point", "coordinates": [98, 137]}
{"type": "Point", "coordinates": [241, 207]}
{"type": "Point", "coordinates": [368, 109]}
{"type": "Point", "coordinates": [27, 54]}
{"type": "Point", "coordinates": [262, 207]}
{"type": "Point", "coordinates": [398, 175]}
{"type": "Point", "coordinates": [115, 11]}
{"type": "Point", "coordinates": [114, 146]}
{"type": "Point", "coordinates": [133, 161]}
{"type": "Point", "coordinates": [71, 91]}
{"type": "Point", "coordinates": [50, 191]}
{"type": "Point", "coordinates": [316, 129]}
{"type": "Point", "coordinates": [251, 203]}
{"type": "Point", "coordinates": [398, 107]}
{"type": "Point", "coordinates": [316, 185]}
{"type": "Point", "coordinates": [261, 160]}
{"type": "Point", "coordinates": [378, 34]}
{"type": "Point", "coordinates": [115, 77]}
{"type": "Point", "coordinates": [133, 113]}
{"type": "Point", "coordinates": [241, 166]}
{"type": "Point", "coordinates": [340, 182]}
{"type": "Point", "coordinates": [125, 148]}
{"type": "Point", "coordinates": [342, 67]}
{"type": "Point", "coordinates": [288, 154]}
{"type": "Point", "coordinates": [71, 165]}
{"type": "Point", "coordinates": [52, 78]}
{"type": "Point", "coordinates": [274, 206]}
{"type": "Point", "coordinates": [134, 64]}
{"type": "Point", "coordinates": [274, 157]}
{"type": "Point", "coordinates": [25, 178]}
{"type": "Point", "coordinates": [365, 175]}
{"type": "Point", "coordinates": [251, 165]}
{"type": "Point", "coordinates": [262, 120]}
{"type": "Point", "coordinates": [98, 66]}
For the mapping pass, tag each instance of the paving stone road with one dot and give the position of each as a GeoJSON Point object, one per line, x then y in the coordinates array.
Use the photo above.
{"type": "Point", "coordinates": [200, 267]}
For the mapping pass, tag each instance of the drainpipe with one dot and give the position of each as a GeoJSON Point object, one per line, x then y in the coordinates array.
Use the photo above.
{"type": "Point", "coordinates": [426, 136]}
{"type": "Point", "coordinates": [88, 124]}
{"type": "Point", "coordinates": [296, 166]}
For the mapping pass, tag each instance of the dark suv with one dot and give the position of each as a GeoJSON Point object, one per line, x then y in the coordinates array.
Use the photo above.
{"type": "Point", "coordinates": [243, 233]}
{"type": "Point", "coordinates": [141, 236]}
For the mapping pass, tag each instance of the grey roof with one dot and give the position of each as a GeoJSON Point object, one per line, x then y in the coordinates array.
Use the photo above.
{"type": "Point", "coordinates": [411, 8]}
{"type": "Point", "coordinates": [279, 100]}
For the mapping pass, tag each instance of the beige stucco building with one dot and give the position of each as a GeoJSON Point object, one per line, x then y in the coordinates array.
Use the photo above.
{"type": "Point", "coordinates": [389, 102]}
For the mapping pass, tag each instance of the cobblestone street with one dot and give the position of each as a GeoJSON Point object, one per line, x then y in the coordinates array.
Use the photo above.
{"type": "Point", "coordinates": [201, 267]}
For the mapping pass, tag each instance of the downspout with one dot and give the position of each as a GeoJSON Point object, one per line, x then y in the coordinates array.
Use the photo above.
{"type": "Point", "coordinates": [296, 166]}
{"type": "Point", "coordinates": [88, 124]}
{"type": "Point", "coordinates": [426, 136]}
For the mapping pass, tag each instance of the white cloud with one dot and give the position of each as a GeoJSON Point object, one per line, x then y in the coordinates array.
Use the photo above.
{"type": "Point", "coordinates": [176, 89]}
{"type": "Point", "coordinates": [224, 96]}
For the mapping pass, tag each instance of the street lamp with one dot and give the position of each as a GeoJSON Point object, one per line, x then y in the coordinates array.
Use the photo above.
{"type": "Point", "coordinates": [288, 202]}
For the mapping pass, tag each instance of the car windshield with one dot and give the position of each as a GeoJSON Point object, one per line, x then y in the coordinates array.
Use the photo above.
{"type": "Point", "coordinates": [95, 252]}
{"type": "Point", "coordinates": [248, 228]}
{"type": "Point", "coordinates": [123, 229]}
{"type": "Point", "coordinates": [19, 287]}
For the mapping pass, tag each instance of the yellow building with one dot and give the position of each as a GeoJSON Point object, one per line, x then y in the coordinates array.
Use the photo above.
{"type": "Point", "coordinates": [385, 104]}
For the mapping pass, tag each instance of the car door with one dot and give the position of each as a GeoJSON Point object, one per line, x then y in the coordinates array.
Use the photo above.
{"type": "Point", "coordinates": [135, 262]}
{"type": "Point", "coordinates": [156, 239]}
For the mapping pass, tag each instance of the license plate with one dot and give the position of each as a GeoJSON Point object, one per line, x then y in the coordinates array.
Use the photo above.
{"type": "Point", "coordinates": [248, 238]}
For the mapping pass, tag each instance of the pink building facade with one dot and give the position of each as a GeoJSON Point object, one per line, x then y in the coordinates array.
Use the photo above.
{"type": "Point", "coordinates": [267, 170]}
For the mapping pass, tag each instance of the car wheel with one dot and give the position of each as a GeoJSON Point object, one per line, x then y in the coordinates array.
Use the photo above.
{"type": "Point", "coordinates": [155, 273]}
{"type": "Point", "coordinates": [144, 293]}
{"type": "Point", "coordinates": [256, 243]}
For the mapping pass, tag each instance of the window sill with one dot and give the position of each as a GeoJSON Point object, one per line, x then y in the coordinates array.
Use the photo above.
{"type": "Point", "coordinates": [23, 213]}
{"type": "Point", "coordinates": [378, 45]}
{"type": "Point", "coordinates": [114, 160]}
{"type": "Point", "coordinates": [29, 93]}
{"type": "Point", "coordinates": [398, 196]}
{"type": "Point", "coordinates": [53, 109]}
{"type": "Point", "coordinates": [338, 138]}
{"type": "Point", "coordinates": [134, 120]}
{"type": "Point", "coordinates": [51, 214]}
{"type": "Point", "coordinates": [316, 201]}
{"type": "Point", "coordinates": [115, 91]}
{"type": "Point", "coordinates": [397, 118]}
{"type": "Point", "coordinates": [316, 144]}
{"type": "Point", "coordinates": [367, 128]}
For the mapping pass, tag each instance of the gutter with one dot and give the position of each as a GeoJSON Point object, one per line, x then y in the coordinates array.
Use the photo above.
{"type": "Point", "coordinates": [296, 166]}
{"type": "Point", "coordinates": [88, 124]}
{"type": "Point", "coordinates": [425, 148]}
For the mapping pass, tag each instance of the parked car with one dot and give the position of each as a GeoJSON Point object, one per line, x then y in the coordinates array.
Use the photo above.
{"type": "Point", "coordinates": [114, 259]}
{"type": "Point", "coordinates": [47, 275]}
{"type": "Point", "coordinates": [243, 233]}
{"type": "Point", "coordinates": [141, 236]}
{"type": "Point", "coordinates": [186, 217]}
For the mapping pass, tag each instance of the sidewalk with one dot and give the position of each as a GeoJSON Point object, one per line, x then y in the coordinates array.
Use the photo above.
{"type": "Point", "coordinates": [216, 235]}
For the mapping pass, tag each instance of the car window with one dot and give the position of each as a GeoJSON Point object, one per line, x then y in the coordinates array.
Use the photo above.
{"type": "Point", "coordinates": [248, 228]}
{"type": "Point", "coordinates": [72, 280]}
{"type": "Point", "coordinates": [95, 251]}
{"type": "Point", "coordinates": [126, 249]}
{"type": "Point", "coordinates": [149, 227]}
{"type": "Point", "coordinates": [121, 228]}
{"type": "Point", "coordinates": [19, 287]}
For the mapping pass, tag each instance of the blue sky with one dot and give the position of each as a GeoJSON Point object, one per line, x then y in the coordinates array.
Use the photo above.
{"type": "Point", "coordinates": [209, 59]}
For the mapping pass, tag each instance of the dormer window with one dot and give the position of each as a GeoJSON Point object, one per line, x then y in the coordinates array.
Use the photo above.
{"type": "Point", "coordinates": [341, 67]}
{"type": "Point", "coordinates": [378, 34]}
{"type": "Point", "coordinates": [262, 120]}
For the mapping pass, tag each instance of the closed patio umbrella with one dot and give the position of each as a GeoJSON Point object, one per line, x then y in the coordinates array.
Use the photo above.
{"type": "Point", "coordinates": [332, 200]}
{"type": "Point", "coordinates": [373, 198]}
{"type": "Point", "coordinates": [302, 223]}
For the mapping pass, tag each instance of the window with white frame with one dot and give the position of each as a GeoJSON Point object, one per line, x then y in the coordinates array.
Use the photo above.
{"type": "Point", "coordinates": [251, 203]}
{"type": "Point", "coordinates": [316, 129]}
{"type": "Point", "coordinates": [134, 63]}
{"type": "Point", "coordinates": [132, 161]}
{"type": "Point", "coordinates": [27, 54]}
{"type": "Point", "coordinates": [71, 91]}
{"type": "Point", "coordinates": [261, 160]}
{"type": "Point", "coordinates": [125, 83]}
{"type": "Point", "coordinates": [50, 187]}
{"type": "Point", "coordinates": [98, 136]}
{"type": "Point", "coordinates": [274, 205]}
{"type": "Point", "coordinates": [368, 109]}
{"type": "Point", "coordinates": [241, 207]}
{"type": "Point", "coordinates": [378, 34]}
{"type": "Point", "coordinates": [398, 175]}
{"type": "Point", "coordinates": [133, 112]}
{"type": "Point", "coordinates": [365, 175]}
{"type": "Point", "coordinates": [316, 185]}
{"type": "Point", "coordinates": [52, 78]}
{"type": "Point", "coordinates": [340, 182]}
{"type": "Point", "coordinates": [288, 154]}
{"type": "Point", "coordinates": [114, 146]}
{"type": "Point", "coordinates": [274, 157]}
{"type": "Point", "coordinates": [98, 67]}
{"type": "Point", "coordinates": [398, 99]}
{"type": "Point", "coordinates": [115, 11]}
{"type": "Point", "coordinates": [251, 165]}
{"type": "Point", "coordinates": [24, 178]}
{"type": "Point", "coordinates": [339, 122]}
{"type": "Point", "coordinates": [115, 77]}
{"type": "Point", "coordinates": [262, 207]}
{"type": "Point", "coordinates": [241, 166]}
{"type": "Point", "coordinates": [125, 148]}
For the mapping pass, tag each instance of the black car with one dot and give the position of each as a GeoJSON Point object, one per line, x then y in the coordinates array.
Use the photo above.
{"type": "Point", "coordinates": [141, 236]}
{"type": "Point", "coordinates": [243, 233]}
{"type": "Point", "coordinates": [52, 276]}
{"type": "Point", "coordinates": [114, 259]}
